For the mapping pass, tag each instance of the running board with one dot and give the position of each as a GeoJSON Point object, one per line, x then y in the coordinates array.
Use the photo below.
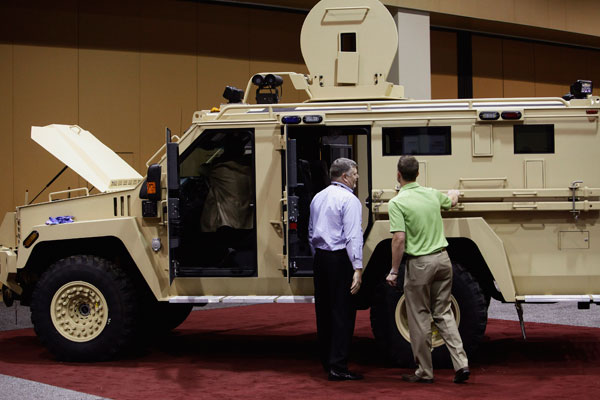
{"type": "Point", "coordinates": [242, 299]}
{"type": "Point", "coordinates": [583, 302]}
{"type": "Point", "coordinates": [576, 298]}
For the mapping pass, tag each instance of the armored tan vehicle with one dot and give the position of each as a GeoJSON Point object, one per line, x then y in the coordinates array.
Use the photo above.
{"type": "Point", "coordinates": [223, 211]}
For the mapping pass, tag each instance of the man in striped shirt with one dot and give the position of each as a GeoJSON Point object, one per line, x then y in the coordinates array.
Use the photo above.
{"type": "Point", "coordinates": [335, 236]}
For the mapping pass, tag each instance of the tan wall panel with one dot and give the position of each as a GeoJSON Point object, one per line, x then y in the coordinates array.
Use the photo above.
{"type": "Point", "coordinates": [45, 92]}
{"type": "Point", "coordinates": [566, 15]}
{"type": "Point", "coordinates": [582, 16]}
{"type": "Point", "coordinates": [6, 123]}
{"type": "Point", "coordinates": [592, 70]}
{"type": "Point", "coordinates": [169, 27]}
{"type": "Point", "coordinates": [168, 99]}
{"type": "Point", "coordinates": [275, 36]}
{"type": "Point", "coordinates": [223, 52]}
{"type": "Point", "coordinates": [214, 73]}
{"type": "Point", "coordinates": [110, 24]}
{"type": "Point", "coordinates": [109, 73]}
{"type": "Point", "coordinates": [40, 22]}
{"type": "Point", "coordinates": [519, 73]}
{"type": "Point", "coordinates": [542, 13]}
{"type": "Point", "coordinates": [109, 97]}
{"type": "Point", "coordinates": [275, 46]}
{"type": "Point", "coordinates": [556, 68]}
{"type": "Point", "coordinates": [168, 81]}
{"type": "Point", "coordinates": [444, 79]}
{"type": "Point", "coordinates": [487, 67]}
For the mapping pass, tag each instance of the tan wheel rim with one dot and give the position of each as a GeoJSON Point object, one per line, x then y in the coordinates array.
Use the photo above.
{"type": "Point", "coordinates": [79, 311]}
{"type": "Point", "coordinates": [402, 321]}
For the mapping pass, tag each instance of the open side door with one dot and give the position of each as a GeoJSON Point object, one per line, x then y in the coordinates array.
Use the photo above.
{"type": "Point", "coordinates": [296, 264]}
{"type": "Point", "coordinates": [308, 154]}
{"type": "Point", "coordinates": [173, 210]}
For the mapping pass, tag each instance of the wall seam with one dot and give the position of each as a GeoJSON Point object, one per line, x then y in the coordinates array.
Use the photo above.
{"type": "Point", "coordinates": [12, 106]}
{"type": "Point", "coordinates": [139, 30]}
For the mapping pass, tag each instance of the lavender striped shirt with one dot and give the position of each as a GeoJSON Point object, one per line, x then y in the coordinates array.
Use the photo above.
{"type": "Point", "coordinates": [335, 222]}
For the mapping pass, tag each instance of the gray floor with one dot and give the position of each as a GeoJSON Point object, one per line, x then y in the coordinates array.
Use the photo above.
{"type": "Point", "coordinates": [18, 318]}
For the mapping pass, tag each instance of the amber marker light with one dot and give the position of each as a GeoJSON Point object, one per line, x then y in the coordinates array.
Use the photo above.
{"type": "Point", "coordinates": [29, 240]}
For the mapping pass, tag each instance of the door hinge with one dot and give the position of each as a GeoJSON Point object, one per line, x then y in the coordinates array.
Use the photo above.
{"type": "Point", "coordinates": [279, 142]}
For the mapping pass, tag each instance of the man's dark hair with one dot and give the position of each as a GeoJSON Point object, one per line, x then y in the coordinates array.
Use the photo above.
{"type": "Point", "coordinates": [408, 166]}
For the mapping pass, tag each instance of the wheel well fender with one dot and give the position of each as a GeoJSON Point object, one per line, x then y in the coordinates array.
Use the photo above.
{"type": "Point", "coordinates": [47, 253]}
{"type": "Point", "coordinates": [466, 253]}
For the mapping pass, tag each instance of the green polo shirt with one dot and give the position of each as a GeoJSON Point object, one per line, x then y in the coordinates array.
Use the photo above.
{"type": "Point", "coordinates": [416, 211]}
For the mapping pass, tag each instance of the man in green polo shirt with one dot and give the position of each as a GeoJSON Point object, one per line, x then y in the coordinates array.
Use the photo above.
{"type": "Point", "coordinates": [417, 227]}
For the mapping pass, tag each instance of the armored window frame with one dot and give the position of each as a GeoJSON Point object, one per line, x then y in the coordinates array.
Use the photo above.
{"type": "Point", "coordinates": [533, 139]}
{"type": "Point", "coordinates": [417, 140]}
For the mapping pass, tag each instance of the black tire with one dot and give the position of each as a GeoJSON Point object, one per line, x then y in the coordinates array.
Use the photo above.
{"type": "Point", "coordinates": [396, 349]}
{"type": "Point", "coordinates": [105, 316]}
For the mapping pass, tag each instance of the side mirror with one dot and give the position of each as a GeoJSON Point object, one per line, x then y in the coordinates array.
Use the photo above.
{"type": "Point", "coordinates": [151, 189]}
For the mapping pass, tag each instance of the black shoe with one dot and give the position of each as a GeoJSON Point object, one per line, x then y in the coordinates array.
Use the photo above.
{"type": "Point", "coordinates": [462, 375]}
{"type": "Point", "coordinates": [413, 378]}
{"type": "Point", "coordinates": [343, 376]}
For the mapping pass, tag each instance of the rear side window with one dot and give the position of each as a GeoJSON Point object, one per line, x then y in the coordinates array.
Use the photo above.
{"type": "Point", "coordinates": [533, 139]}
{"type": "Point", "coordinates": [417, 140]}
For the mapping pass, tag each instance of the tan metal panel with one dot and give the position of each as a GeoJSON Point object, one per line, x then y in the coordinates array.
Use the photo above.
{"type": "Point", "coordinates": [573, 240]}
{"type": "Point", "coordinates": [423, 173]}
{"type": "Point", "coordinates": [482, 141]}
{"type": "Point", "coordinates": [535, 176]}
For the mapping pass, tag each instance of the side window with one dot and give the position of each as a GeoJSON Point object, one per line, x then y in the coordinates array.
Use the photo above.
{"type": "Point", "coordinates": [214, 146]}
{"type": "Point", "coordinates": [216, 203]}
{"type": "Point", "coordinates": [530, 139]}
{"type": "Point", "coordinates": [417, 140]}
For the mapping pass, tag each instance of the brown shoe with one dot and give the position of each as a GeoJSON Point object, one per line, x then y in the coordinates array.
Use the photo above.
{"type": "Point", "coordinates": [462, 375]}
{"type": "Point", "coordinates": [414, 378]}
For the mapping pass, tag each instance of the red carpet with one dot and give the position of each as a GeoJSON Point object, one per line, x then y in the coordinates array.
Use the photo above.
{"type": "Point", "coordinates": [268, 352]}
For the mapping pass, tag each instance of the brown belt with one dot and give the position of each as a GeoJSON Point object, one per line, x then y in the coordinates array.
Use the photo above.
{"type": "Point", "coordinates": [443, 249]}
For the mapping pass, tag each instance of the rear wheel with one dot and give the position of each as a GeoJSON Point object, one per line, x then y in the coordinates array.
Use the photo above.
{"type": "Point", "coordinates": [390, 326]}
{"type": "Point", "coordinates": [83, 308]}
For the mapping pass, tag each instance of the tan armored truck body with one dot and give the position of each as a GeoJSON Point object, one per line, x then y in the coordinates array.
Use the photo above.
{"type": "Point", "coordinates": [141, 253]}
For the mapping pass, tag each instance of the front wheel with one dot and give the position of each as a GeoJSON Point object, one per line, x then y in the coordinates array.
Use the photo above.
{"type": "Point", "coordinates": [390, 325]}
{"type": "Point", "coordinates": [84, 308]}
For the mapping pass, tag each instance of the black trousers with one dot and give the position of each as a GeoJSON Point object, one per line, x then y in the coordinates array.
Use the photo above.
{"type": "Point", "coordinates": [334, 307]}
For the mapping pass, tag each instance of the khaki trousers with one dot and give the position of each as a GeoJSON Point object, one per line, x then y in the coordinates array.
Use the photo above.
{"type": "Point", "coordinates": [427, 286]}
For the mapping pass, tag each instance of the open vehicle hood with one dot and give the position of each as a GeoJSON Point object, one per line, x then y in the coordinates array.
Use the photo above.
{"type": "Point", "coordinates": [86, 155]}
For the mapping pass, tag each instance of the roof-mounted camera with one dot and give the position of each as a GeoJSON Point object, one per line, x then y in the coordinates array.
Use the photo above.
{"type": "Point", "coordinates": [579, 90]}
{"type": "Point", "coordinates": [233, 94]}
{"type": "Point", "coordinates": [267, 91]}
